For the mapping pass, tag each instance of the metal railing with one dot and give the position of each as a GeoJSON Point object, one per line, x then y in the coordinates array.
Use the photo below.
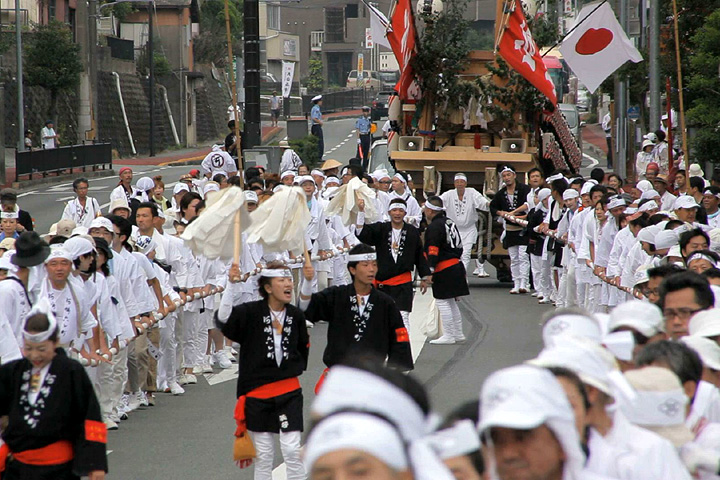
{"type": "Point", "coordinates": [64, 158]}
{"type": "Point", "coordinates": [349, 99]}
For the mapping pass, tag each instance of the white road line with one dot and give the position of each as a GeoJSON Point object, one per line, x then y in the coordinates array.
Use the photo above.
{"type": "Point", "coordinates": [64, 199]}
{"type": "Point", "coordinates": [593, 160]}
{"type": "Point", "coordinates": [31, 192]}
{"type": "Point", "coordinates": [104, 205]}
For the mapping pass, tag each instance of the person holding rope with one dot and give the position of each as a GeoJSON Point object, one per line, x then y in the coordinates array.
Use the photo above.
{"type": "Point", "coordinates": [274, 349]}
{"type": "Point", "coordinates": [400, 251]}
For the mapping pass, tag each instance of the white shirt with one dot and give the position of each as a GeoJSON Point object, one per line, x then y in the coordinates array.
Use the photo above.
{"type": "Point", "coordinates": [71, 307]}
{"type": "Point", "coordinates": [277, 337]}
{"type": "Point", "coordinates": [48, 142]}
{"type": "Point", "coordinates": [218, 160]}
{"type": "Point", "coordinates": [82, 216]}
{"type": "Point", "coordinates": [290, 161]}
{"type": "Point", "coordinates": [464, 212]}
{"type": "Point", "coordinates": [705, 407]}
{"type": "Point", "coordinates": [668, 202]}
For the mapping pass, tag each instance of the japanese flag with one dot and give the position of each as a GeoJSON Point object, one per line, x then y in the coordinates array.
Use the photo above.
{"type": "Point", "coordinates": [598, 46]}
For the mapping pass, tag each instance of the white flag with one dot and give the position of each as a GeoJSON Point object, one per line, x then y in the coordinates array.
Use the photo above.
{"type": "Point", "coordinates": [379, 25]}
{"type": "Point", "coordinates": [598, 47]}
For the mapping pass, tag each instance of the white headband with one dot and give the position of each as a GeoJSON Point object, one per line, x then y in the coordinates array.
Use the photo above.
{"type": "Point", "coordinates": [362, 257]}
{"type": "Point", "coordinates": [276, 273]}
{"type": "Point", "coordinates": [656, 409]}
{"type": "Point", "coordinates": [399, 205]}
{"type": "Point", "coordinates": [287, 173]}
{"type": "Point", "coordinates": [356, 431]}
{"type": "Point", "coordinates": [433, 207]}
{"type": "Point", "coordinates": [58, 251]}
{"type": "Point", "coordinates": [9, 215]}
{"type": "Point", "coordinates": [460, 176]}
{"type": "Point", "coordinates": [506, 169]}
{"type": "Point", "coordinates": [317, 172]}
{"type": "Point", "coordinates": [401, 178]}
{"type": "Point", "coordinates": [552, 178]}
{"type": "Point", "coordinates": [458, 440]}
{"type": "Point", "coordinates": [700, 256]}
{"type": "Point", "coordinates": [41, 307]}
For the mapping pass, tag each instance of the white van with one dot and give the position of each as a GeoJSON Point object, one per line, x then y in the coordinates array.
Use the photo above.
{"type": "Point", "coordinates": [370, 79]}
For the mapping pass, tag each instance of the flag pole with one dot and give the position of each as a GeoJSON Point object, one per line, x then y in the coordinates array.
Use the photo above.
{"type": "Point", "coordinates": [506, 12]}
{"type": "Point", "coordinates": [574, 28]}
{"type": "Point", "coordinates": [683, 131]}
{"type": "Point", "coordinates": [233, 85]}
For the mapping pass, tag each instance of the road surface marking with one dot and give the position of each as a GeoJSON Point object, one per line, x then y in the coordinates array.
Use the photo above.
{"type": "Point", "coordinates": [224, 376]}
{"type": "Point", "coordinates": [64, 199]}
{"type": "Point", "coordinates": [593, 160]}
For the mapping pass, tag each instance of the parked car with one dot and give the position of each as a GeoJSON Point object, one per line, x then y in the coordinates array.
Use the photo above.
{"type": "Point", "coordinates": [583, 100]}
{"type": "Point", "coordinates": [572, 117]}
{"type": "Point", "coordinates": [370, 79]}
{"type": "Point", "coordinates": [379, 157]}
{"type": "Point", "coordinates": [379, 106]}
{"type": "Point", "coordinates": [389, 79]}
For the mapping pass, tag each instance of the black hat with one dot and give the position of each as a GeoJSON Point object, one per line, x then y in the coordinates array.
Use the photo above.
{"type": "Point", "coordinates": [8, 194]}
{"type": "Point", "coordinates": [102, 244]}
{"type": "Point", "coordinates": [30, 250]}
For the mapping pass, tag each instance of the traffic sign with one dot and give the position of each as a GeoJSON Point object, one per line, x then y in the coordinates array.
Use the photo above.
{"type": "Point", "coordinates": [633, 113]}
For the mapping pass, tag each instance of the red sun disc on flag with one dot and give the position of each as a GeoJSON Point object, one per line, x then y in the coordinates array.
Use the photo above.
{"type": "Point", "coordinates": [594, 41]}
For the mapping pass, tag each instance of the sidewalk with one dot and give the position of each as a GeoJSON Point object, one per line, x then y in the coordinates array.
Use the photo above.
{"type": "Point", "coordinates": [594, 135]}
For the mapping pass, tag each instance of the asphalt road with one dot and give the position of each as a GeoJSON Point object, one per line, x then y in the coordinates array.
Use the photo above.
{"type": "Point", "coordinates": [190, 436]}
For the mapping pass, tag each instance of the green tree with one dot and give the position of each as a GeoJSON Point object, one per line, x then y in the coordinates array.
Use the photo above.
{"type": "Point", "coordinates": [307, 149]}
{"type": "Point", "coordinates": [52, 61]}
{"type": "Point", "coordinates": [703, 82]}
{"type": "Point", "coordinates": [211, 44]}
{"type": "Point", "coordinates": [314, 80]}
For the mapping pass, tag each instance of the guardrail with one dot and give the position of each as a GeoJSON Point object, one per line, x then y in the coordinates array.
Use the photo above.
{"type": "Point", "coordinates": [64, 158]}
{"type": "Point", "coordinates": [352, 98]}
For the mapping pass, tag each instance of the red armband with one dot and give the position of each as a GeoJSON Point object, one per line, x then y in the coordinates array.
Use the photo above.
{"type": "Point", "coordinates": [95, 431]}
{"type": "Point", "coordinates": [401, 335]}
{"type": "Point", "coordinates": [433, 251]}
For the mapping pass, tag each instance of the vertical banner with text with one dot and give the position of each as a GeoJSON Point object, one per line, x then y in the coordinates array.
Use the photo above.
{"type": "Point", "coordinates": [288, 72]}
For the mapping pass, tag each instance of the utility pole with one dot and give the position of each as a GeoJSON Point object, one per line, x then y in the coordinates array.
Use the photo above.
{"type": "Point", "coordinates": [151, 70]}
{"type": "Point", "coordinates": [654, 68]}
{"type": "Point", "coordinates": [620, 157]}
{"type": "Point", "coordinates": [20, 95]}
{"type": "Point", "coordinates": [92, 67]}
{"type": "Point", "coordinates": [251, 10]}
{"type": "Point", "coordinates": [2, 135]}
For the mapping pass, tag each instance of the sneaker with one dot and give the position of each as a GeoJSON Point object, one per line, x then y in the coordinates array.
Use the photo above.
{"type": "Point", "coordinates": [115, 418]}
{"type": "Point", "coordinates": [480, 272]}
{"type": "Point", "coordinates": [230, 354]}
{"type": "Point", "coordinates": [523, 290]}
{"type": "Point", "coordinates": [233, 351]}
{"type": "Point", "coordinates": [221, 359]}
{"type": "Point", "coordinates": [544, 300]}
{"type": "Point", "coordinates": [133, 401]}
{"type": "Point", "coordinates": [142, 398]}
{"type": "Point", "coordinates": [176, 389]}
{"type": "Point", "coordinates": [535, 294]}
{"type": "Point", "coordinates": [150, 398]}
{"type": "Point", "coordinates": [444, 340]}
{"type": "Point", "coordinates": [111, 425]}
{"type": "Point", "coordinates": [207, 366]}
{"type": "Point", "coordinates": [514, 291]}
{"type": "Point", "coordinates": [460, 338]}
{"type": "Point", "coordinates": [199, 370]}
{"type": "Point", "coordinates": [188, 379]}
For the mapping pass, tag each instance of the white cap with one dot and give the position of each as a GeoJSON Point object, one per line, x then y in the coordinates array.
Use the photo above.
{"type": "Point", "coordinates": [648, 234]}
{"type": "Point", "coordinates": [616, 202]}
{"type": "Point", "coordinates": [58, 251]}
{"type": "Point", "coordinates": [589, 360]}
{"type": "Point", "coordinates": [644, 186]}
{"type": "Point", "coordinates": [287, 173]}
{"type": "Point", "coordinates": [526, 397]}
{"type": "Point", "coordinates": [543, 194]}
{"type": "Point", "coordinates": [685, 201]}
{"type": "Point", "coordinates": [180, 187]}
{"type": "Point", "coordinates": [708, 350]}
{"type": "Point", "coordinates": [78, 246]}
{"type": "Point", "coordinates": [316, 98]}
{"type": "Point", "coordinates": [318, 172]}
{"type": "Point", "coordinates": [652, 137]}
{"type": "Point", "coordinates": [647, 143]}
{"type": "Point", "coordinates": [570, 193]}
{"type": "Point", "coordinates": [705, 323]}
{"type": "Point", "coordinates": [119, 202]}
{"type": "Point", "coordinates": [460, 176]}
{"type": "Point", "coordinates": [641, 275]}
{"type": "Point", "coordinates": [649, 194]}
{"type": "Point", "coordinates": [102, 222]}
{"type": "Point", "coordinates": [304, 178]}
{"type": "Point", "coordinates": [587, 186]}
{"type": "Point", "coordinates": [251, 196]}
{"type": "Point", "coordinates": [145, 183]}
{"type": "Point", "coordinates": [571, 324]}
{"type": "Point", "coordinates": [647, 206]}
{"type": "Point", "coordinates": [644, 317]}
{"type": "Point", "coordinates": [145, 244]}
{"type": "Point", "coordinates": [458, 440]}
{"type": "Point", "coordinates": [665, 239]}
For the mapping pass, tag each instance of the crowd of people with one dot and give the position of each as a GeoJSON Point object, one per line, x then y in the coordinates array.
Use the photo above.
{"type": "Point", "coordinates": [625, 387]}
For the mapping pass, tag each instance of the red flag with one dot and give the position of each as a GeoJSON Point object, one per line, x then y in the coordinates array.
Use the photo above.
{"type": "Point", "coordinates": [519, 49]}
{"type": "Point", "coordinates": [402, 38]}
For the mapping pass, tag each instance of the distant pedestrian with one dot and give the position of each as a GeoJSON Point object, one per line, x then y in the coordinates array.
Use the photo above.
{"type": "Point", "coordinates": [50, 139]}
{"type": "Point", "coordinates": [362, 125]}
{"type": "Point", "coordinates": [29, 140]}
{"type": "Point", "coordinates": [317, 124]}
{"type": "Point", "coordinates": [607, 127]}
{"type": "Point", "coordinates": [231, 141]}
{"type": "Point", "coordinates": [290, 159]}
{"type": "Point", "coordinates": [274, 104]}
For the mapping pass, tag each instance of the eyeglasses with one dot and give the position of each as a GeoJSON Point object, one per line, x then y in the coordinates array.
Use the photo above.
{"type": "Point", "coordinates": [647, 292]}
{"type": "Point", "coordinates": [681, 313]}
{"type": "Point", "coordinates": [385, 182]}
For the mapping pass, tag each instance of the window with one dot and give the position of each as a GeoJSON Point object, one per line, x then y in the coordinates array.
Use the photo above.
{"type": "Point", "coordinates": [273, 17]}
{"type": "Point", "coordinates": [351, 10]}
{"type": "Point", "coordinates": [334, 24]}
{"type": "Point", "coordinates": [316, 40]}
{"type": "Point", "coordinates": [51, 10]}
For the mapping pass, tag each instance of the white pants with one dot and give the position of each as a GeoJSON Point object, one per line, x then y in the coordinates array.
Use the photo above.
{"type": "Point", "coordinates": [519, 265]}
{"type": "Point", "coordinates": [406, 319]}
{"type": "Point", "coordinates": [451, 318]}
{"type": "Point", "coordinates": [192, 353]}
{"type": "Point", "coordinates": [539, 281]}
{"type": "Point", "coordinates": [570, 286]}
{"type": "Point", "coordinates": [167, 366]}
{"type": "Point", "coordinates": [110, 380]}
{"type": "Point", "coordinates": [547, 275]}
{"type": "Point", "coordinates": [265, 448]}
{"type": "Point", "coordinates": [562, 288]}
{"type": "Point", "coordinates": [469, 238]}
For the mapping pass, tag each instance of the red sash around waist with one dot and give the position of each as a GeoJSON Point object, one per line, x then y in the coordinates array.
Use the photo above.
{"type": "Point", "coordinates": [446, 264]}
{"type": "Point", "coordinates": [54, 454]}
{"type": "Point", "coordinates": [270, 390]}
{"type": "Point", "coordinates": [395, 281]}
